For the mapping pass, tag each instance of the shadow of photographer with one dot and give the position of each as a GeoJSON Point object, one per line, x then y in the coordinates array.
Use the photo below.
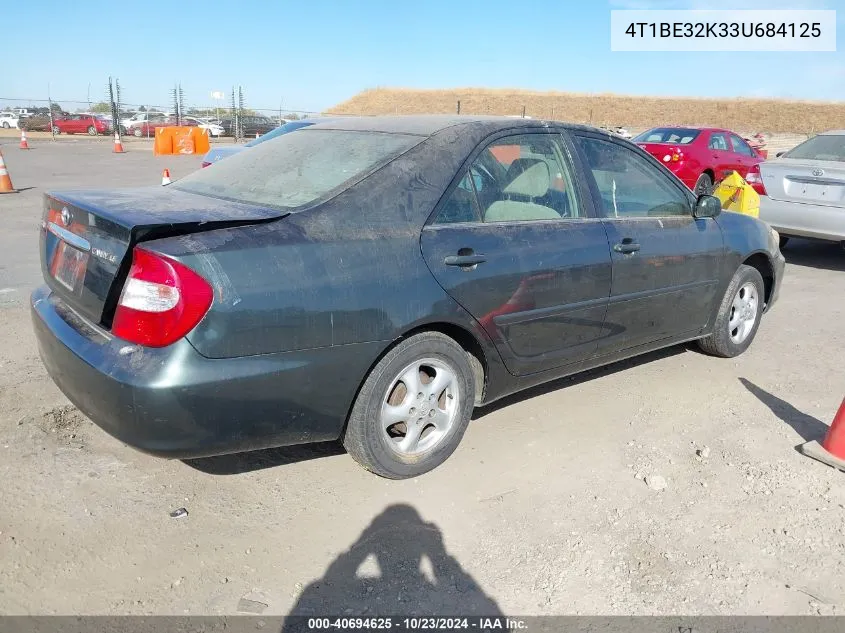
{"type": "Point", "coordinates": [398, 566]}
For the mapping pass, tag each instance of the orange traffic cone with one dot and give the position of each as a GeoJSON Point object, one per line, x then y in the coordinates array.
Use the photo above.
{"type": "Point", "coordinates": [165, 177]}
{"type": "Point", "coordinates": [5, 181]}
{"type": "Point", "coordinates": [24, 144]}
{"type": "Point", "coordinates": [118, 146]}
{"type": "Point", "coordinates": [832, 450]}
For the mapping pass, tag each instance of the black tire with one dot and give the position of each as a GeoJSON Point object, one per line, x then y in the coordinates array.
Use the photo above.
{"type": "Point", "coordinates": [92, 131]}
{"type": "Point", "coordinates": [138, 132]}
{"type": "Point", "coordinates": [56, 130]}
{"type": "Point", "coordinates": [367, 443]}
{"type": "Point", "coordinates": [6, 125]}
{"type": "Point", "coordinates": [704, 185]}
{"type": "Point", "coordinates": [784, 240]}
{"type": "Point", "coordinates": [719, 342]}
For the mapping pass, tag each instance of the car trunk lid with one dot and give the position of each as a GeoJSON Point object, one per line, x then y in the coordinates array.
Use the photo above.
{"type": "Point", "coordinates": [87, 236]}
{"type": "Point", "coordinates": [818, 182]}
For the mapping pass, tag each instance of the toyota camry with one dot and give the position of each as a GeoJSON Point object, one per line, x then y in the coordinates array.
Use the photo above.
{"type": "Point", "coordinates": [372, 280]}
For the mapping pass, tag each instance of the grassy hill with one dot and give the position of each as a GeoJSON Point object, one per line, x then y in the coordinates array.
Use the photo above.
{"type": "Point", "coordinates": [763, 115]}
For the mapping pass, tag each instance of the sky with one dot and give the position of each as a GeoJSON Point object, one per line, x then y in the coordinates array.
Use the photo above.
{"type": "Point", "coordinates": [297, 57]}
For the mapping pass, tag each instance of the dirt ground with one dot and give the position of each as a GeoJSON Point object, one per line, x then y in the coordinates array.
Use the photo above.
{"type": "Point", "coordinates": [545, 508]}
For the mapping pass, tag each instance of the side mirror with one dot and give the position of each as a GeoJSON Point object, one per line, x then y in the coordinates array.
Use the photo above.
{"type": "Point", "coordinates": [707, 207]}
{"type": "Point", "coordinates": [779, 154]}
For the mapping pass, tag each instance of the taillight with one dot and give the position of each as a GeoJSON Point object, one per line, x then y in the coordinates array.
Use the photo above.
{"type": "Point", "coordinates": [755, 179]}
{"type": "Point", "coordinates": [161, 301]}
{"type": "Point", "coordinates": [674, 156]}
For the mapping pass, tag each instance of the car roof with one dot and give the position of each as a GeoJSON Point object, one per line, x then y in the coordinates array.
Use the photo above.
{"type": "Point", "coordinates": [430, 124]}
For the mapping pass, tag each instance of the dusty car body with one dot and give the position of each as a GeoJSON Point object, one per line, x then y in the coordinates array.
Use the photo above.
{"type": "Point", "coordinates": [374, 279]}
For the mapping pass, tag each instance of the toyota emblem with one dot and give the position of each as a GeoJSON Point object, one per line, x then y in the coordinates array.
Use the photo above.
{"type": "Point", "coordinates": [65, 217]}
{"type": "Point", "coordinates": [818, 172]}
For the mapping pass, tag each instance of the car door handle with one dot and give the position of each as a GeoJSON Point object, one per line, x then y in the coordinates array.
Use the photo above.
{"type": "Point", "coordinates": [627, 246]}
{"type": "Point", "coordinates": [465, 260]}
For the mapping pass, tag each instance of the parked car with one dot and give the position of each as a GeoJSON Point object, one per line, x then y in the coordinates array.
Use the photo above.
{"type": "Point", "coordinates": [37, 122]}
{"type": "Point", "coordinates": [147, 128]}
{"type": "Point", "coordinates": [218, 153]}
{"type": "Point", "coordinates": [8, 120]}
{"type": "Point", "coordinates": [701, 157]}
{"type": "Point", "coordinates": [333, 284]}
{"type": "Point", "coordinates": [251, 125]}
{"type": "Point", "coordinates": [214, 129]}
{"type": "Point", "coordinates": [804, 189]}
{"type": "Point", "coordinates": [81, 124]}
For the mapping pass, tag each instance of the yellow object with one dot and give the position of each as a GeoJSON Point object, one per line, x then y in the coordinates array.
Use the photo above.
{"type": "Point", "coordinates": [738, 196]}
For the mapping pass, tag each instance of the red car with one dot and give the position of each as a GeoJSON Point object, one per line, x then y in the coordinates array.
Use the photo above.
{"type": "Point", "coordinates": [701, 157]}
{"type": "Point", "coordinates": [80, 124]}
{"type": "Point", "coordinates": [147, 128]}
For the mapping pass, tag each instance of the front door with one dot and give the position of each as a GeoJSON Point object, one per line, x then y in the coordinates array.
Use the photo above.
{"type": "Point", "coordinates": [515, 243]}
{"type": "Point", "coordinates": [665, 262]}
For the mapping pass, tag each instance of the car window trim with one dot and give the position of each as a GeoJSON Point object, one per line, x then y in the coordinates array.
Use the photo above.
{"type": "Point", "coordinates": [431, 221]}
{"type": "Point", "coordinates": [662, 170]}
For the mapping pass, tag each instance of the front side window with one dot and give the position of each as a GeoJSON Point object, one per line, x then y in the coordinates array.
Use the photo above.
{"type": "Point", "coordinates": [741, 147]}
{"type": "Point", "coordinates": [629, 185]}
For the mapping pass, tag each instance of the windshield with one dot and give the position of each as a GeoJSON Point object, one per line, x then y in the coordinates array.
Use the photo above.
{"type": "Point", "coordinates": [298, 169]}
{"type": "Point", "coordinates": [673, 135]}
{"type": "Point", "coordinates": [822, 147]}
{"type": "Point", "coordinates": [283, 129]}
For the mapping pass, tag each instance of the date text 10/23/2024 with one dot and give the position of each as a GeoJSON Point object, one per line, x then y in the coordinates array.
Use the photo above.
{"type": "Point", "coordinates": [421, 623]}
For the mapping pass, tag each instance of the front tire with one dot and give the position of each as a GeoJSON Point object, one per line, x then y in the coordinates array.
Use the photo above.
{"type": "Point", "coordinates": [413, 407]}
{"type": "Point", "coordinates": [739, 315]}
{"type": "Point", "coordinates": [6, 125]}
{"type": "Point", "coordinates": [138, 132]}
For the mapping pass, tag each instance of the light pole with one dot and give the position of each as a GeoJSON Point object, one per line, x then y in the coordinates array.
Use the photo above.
{"type": "Point", "coordinates": [218, 97]}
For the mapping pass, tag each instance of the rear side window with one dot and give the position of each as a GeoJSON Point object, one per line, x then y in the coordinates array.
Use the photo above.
{"type": "Point", "coordinates": [298, 169]}
{"type": "Point", "coordinates": [719, 141]}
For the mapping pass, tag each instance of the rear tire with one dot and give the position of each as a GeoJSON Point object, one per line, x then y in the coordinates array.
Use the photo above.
{"type": "Point", "coordinates": [56, 130]}
{"type": "Point", "coordinates": [704, 185]}
{"type": "Point", "coordinates": [138, 132]}
{"type": "Point", "coordinates": [399, 431]}
{"type": "Point", "coordinates": [739, 315]}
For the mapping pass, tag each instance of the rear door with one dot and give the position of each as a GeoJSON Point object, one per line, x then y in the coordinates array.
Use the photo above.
{"type": "Point", "coordinates": [666, 263]}
{"type": "Point", "coordinates": [722, 155]}
{"type": "Point", "coordinates": [516, 243]}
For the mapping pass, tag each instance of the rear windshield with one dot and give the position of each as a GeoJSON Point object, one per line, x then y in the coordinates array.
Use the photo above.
{"type": "Point", "coordinates": [295, 170]}
{"type": "Point", "coordinates": [282, 129]}
{"type": "Point", "coordinates": [673, 135]}
{"type": "Point", "coordinates": [823, 147]}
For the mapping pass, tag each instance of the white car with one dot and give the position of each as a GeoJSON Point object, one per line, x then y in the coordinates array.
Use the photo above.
{"type": "Point", "coordinates": [214, 129]}
{"type": "Point", "coordinates": [8, 120]}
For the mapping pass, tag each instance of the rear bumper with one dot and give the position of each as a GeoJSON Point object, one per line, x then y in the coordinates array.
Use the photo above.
{"type": "Point", "coordinates": [804, 220]}
{"type": "Point", "coordinates": [173, 402]}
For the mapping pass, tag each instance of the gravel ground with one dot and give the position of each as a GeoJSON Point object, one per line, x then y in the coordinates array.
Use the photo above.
{"type": "Point", "coordinates": [669, 484]}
